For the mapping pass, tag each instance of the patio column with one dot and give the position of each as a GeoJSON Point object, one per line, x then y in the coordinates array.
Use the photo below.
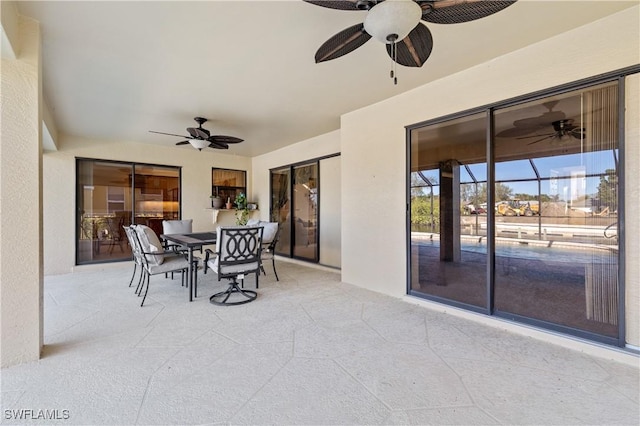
{"type": "Point", "coordinates": [450, 211]}
{"type": "Point", "coordinates": [21, 278]}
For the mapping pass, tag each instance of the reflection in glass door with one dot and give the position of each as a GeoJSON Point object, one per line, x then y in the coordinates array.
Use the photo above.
{"type": "Point", "coordinates": [556, 210]}
{"type": "Point", "coordinates": [104, 205]}
{"type": "Point", "coordinates": [111, 195]}
{"type": "Point", "coordinates": [448, 211]}
{"type": "Point", "coordinates": [305, 212]}
{"type": "Point", "coordinates": [281, 208]}
{"type": "Point", "coordinates": [294, 204]}
{"type": "Point", "coordinates": [531, 234]}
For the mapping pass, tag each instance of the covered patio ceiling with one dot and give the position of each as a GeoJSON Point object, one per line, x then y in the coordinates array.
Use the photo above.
{"type": "Point", "coordinates": [115, 70]}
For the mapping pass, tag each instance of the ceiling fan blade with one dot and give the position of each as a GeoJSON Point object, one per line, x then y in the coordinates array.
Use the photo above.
{"type": "Point", "coordinates": [578, 132]}
{"type": "Point", "coordinates": [536, 136]}
{"type": "Point", "coordinates": [218, 145]}
{"type": "Point", "coordinates": [202, 133]}
{"type": "Point", "coordinates": [340, 5]}
{"type": "Point", "coordinates": [342, 43]}
{"type": "Point", "coordinates": [224, 139]}
{"type": "Point", "coordinates": [458, 11]}
{"type": "Point", "coordinates": [514, 132]}
{"type": "Point", "coordinates": [192, 132]}
{"type": "Point", "coordinates": [168, 134]}
{"type": "Point", "coordinates": [540, 140]}
{"type": "Point", "coordinates": [183, 143]}
{"type": "Point", "coordinates": [414, 49]}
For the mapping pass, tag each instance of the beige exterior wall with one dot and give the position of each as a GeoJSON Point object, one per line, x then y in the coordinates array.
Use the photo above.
{"type": "Point", "coordinates": [373, 180]}
{"type": "Point", "coordinates": [59, 188]}
{"type": "Point", "coordinates": [21, 276]}
{"type": "Point", "coordinates": [632, 212]}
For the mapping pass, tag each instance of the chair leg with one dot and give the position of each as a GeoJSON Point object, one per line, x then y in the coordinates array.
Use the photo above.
{"type": "Point", "coordinates": [140, 285]}
{"type": "Point", "coordinates": [222, 297]}
{"type": "Point", "coordinates": [195, 278]}
{"type": "Point", "coordinates": [146, 291]}
{"type": "Point", "coordinates": [273, 261]}
{"type": "Point", "coordinates": [135, 265]}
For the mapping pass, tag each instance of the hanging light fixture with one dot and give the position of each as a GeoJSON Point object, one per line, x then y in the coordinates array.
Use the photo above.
{"type": "Point", "coordinates": [390, 22]}
{"type": "Point", "coordinates": [199, 144]}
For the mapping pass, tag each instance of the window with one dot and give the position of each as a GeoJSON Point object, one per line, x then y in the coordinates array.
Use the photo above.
{"type": "Point", "coordinates": [227, 183]}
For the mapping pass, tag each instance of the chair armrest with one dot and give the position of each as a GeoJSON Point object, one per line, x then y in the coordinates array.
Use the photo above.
{"type": "Point", "coordinates": [208, 252]}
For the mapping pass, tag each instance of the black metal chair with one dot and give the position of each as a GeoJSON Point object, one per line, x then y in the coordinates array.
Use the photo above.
{"type": "Point", "coordinates": [270, 239]}
{"type": "Point", "coordinates": [237, 254]}
{"type": "Point", "coordinates": [154, 260]}
{"type": "Point", "coordinates": [137, 257]}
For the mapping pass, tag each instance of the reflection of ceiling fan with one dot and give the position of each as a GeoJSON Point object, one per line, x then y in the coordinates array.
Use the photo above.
{"type": "Point", "coordinates": [396, 23]}
{"type": "Point", "coordinates": [201, 138]}
{"type": "Point", "coordinates": [530, 125]}
{"type": "Point", "coordinates": [563, 129]}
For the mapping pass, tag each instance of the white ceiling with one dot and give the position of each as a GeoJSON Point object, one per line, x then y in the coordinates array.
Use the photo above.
{"type": "Point", "coordinates": [115, 70]}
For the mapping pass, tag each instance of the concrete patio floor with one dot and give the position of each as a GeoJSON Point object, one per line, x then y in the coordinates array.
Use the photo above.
{"type": "Point", "coordinates": [309, 350]}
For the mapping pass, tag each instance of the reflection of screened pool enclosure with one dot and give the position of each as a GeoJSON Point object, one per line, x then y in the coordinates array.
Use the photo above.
{"type": "Point", "coordinates": [522, 224]}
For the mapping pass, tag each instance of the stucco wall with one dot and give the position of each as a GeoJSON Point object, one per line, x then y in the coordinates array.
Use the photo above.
{"type": "Point", "coordinates": [59, 187]}
{"type": "Point", "coordinates": [21, 277]}
{"type": "Point", "coordinates": [373, 180]}
{"type": "Point", "coordinates": [632, 210]}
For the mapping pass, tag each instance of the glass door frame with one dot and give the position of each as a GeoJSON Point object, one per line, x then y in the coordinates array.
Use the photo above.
{"type": "Point", "coordinates": [291, 167]}
{"type": "Point", "coordinates": [615, 76]}
{"type": "Point", "coordinates": [78, 199]}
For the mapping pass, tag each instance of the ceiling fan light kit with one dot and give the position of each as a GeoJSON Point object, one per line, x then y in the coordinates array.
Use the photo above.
{"type": "Point", "coordinates": [199, 144]}
{"type": "Point", "coordinates": [392, 20]}
{"type": "Point", "coordinates": [201, 138]}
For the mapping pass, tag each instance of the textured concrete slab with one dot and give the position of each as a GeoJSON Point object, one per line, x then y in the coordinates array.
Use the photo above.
{"type": "Point", "coordinates": [309, 350]}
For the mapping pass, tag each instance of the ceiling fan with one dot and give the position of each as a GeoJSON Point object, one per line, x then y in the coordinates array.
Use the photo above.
{"type": "Point", "coordinates": [562, 130]}
{"type": "Point", "coordinates": [529, 125]}
{"type": "Point", "coordinates": [396, 23]}
{"type": "Point", "coordinates": [200, 137]}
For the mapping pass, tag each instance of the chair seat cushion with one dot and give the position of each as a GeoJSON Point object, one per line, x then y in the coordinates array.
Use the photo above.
{"type": "Point", "coordinates": [232, 269]}
{"type": "Point", "coordinates": [174, 263]}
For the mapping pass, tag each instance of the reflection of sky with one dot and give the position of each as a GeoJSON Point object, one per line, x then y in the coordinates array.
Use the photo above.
{"type": "Point", "coordinates": [564, 175]}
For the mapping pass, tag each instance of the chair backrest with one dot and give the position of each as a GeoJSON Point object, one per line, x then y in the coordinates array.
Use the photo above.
{"type": "Point", "coordinates": [270, 234]}
{"type": "Point", "coordinates": [133, 243]}
{"type": "Point", "coordinates": [184, 226]}
{"type": "Point", "coordinates": [150, 244]}
{"type": "Point", "coordinates": [238, 249]}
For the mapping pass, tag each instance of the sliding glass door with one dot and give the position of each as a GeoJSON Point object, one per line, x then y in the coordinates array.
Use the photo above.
{"type": "Point", "coordinates": [294, 204]}
{"type": "Point", "coordinates": [556, 218]}
{"type": "Point", "coordinates": [515, 212]}
{"type": "Point", "coordinates": [111, 195]}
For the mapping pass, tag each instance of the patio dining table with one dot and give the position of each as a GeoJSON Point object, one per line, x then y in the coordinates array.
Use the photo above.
{"type": "Point", "coordinates": [192, 242]}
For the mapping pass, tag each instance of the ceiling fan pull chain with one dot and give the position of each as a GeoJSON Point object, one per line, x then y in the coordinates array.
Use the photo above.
{"type": "Point", "coordinates": [394, 57]}
{"type": "Point", "coordinates": [395, 63]}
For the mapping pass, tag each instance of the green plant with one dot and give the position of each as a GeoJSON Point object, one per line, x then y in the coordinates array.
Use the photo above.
{"type": "Point", "coordinates": [242, 213]}
{"type": "Point", "coordinates": [241, 200]}
{"type": "Point", "coordinates": [242, 216]}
